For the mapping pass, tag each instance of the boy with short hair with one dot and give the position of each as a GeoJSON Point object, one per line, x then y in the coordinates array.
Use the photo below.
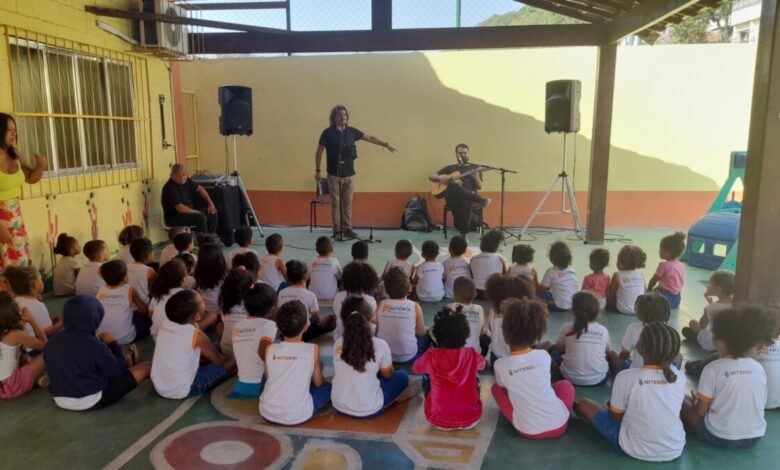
{"type": "Point", "coordinates": [243, 238]}
{"type": "Point", "coordinates": [170, 250]}
{"type": "Point", "coordinates": [297, 276]}
{"type": "Point", "coordinates": [118, 299]}
{"type": "Point", "coordinates": [184, 243]}
{"type": "Point", "coordinates": [272, 270]}
{"type": "Point", "coordinates": [88, 280]}
{"type": "Point", "coordinates": [360, 251]}
{"type": "Point", "coordinates": [294, 388]}
{"type": "Point", "coordinates": [325, 271]}
{"type": "Point", "coordinates": [456, 265]}
{"type": "Point", "coordinates": [139, 273]}
{"type": "Point", "coordinates": [429, 275]}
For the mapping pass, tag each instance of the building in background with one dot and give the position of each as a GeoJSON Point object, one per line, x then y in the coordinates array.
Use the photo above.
{"type": "Point", "coordinates": [745, 16]}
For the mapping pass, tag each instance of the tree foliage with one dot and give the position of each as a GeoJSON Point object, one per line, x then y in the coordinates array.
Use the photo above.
{"type": "Point", "coordinates": [712, 24]}
{"type": "Point", "coordinates": [528, 16]}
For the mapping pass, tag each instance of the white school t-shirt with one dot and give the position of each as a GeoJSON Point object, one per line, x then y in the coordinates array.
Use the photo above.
{"type": "Point", "coordinates": [64, 281]}
{"type": "Point", "coordinates": [651, 428]}
{"type": "Point", "coordinates": [396, 322]}
{"type": "Point", "coordinates": [563, 285]}
{"type": "Point", "coordinates": [453, 269]}
{"type": "Point", "coordinates": [737, 392]}
{"type": "Point", "coordinates": [236, 314]}
{"type": "Point", "coordinates": [124, 255]}
{"type": "Point", "coordinates": [325, 276]}
{"type": "Point", "coordinates": [211, 298]}
{"type": "Point", "coordinates": [306, 297]}
{"type": "Point", "coordinates": [238, 251]}
{"type": "Point", "coordinates": [118, 317]}
{"type": "Point", "coordinates": [138, 278]}
{"type": "Point", "coordinates": [269, 271]}
{"type": "Point", "coordinates": [524, 270]}
{"type": "Point", "coordinates": [630, 339]}
{"type": "Point", "coordinates": [704, 338]}
{"type": "Point", "coordinates": [338, 301]}
{"type": "Point", "coordinates": [176, 359]}
{"type": "Point", "coordinates": [769, 358]}
{"type": "Point", "coordinates": [405, 265]}
{"type": "Point", "coordinates": [485, 265]}
{"type": "Point", "coordinates": [476, 318]}
{"type": "Point", "coordinates": [289, 368]}
{"type": "Point", "coordinates": [38, 311]}
{"type": "Point", "coordinates": [247, 335]}
{"type": "Point", "coordinates": [9, 359]}
{"type": "Point", "coordinates": [430, 281]}
{"type": "Point", "coordinates": [88, 281]}
{"type": "Point", "coordinates": [632, 285]}
{"type": "Point", "coordinates": [358, 393]}
{"type": "Point", "coordinates": [498, 345]}
{"type": "Point", "coordinates": [526, 377]}
{"type": "Point", "coordinates": [157, 309]}
{"type": "Point", "coordinates": [585, 360]}
{"type": "Point", "coordinates": [168, 253]}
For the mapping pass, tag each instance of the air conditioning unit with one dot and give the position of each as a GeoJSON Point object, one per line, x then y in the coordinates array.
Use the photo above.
{"type": "Point", "coordinates": [160, 37]}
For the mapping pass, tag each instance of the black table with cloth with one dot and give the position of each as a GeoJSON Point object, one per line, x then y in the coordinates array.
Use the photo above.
{"type": "Point", "coordinates": [231, 210]}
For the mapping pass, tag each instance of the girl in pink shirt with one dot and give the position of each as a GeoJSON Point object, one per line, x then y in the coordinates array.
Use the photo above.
{"type": "Point", "coordinates": [670, 275]}
{"type": "Point", "coordinates": [598, 282]}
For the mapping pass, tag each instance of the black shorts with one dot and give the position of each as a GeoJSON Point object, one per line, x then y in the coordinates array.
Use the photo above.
{"type": "Point", "coordinates": [117, 388]}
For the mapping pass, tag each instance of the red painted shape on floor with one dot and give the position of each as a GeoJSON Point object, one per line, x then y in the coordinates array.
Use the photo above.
{"type": "Point", "coordinates": [184, 452]}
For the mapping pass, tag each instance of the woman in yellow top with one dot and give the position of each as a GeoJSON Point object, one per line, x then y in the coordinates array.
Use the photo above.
{"type": "Point", "coordinates": [14, 171]}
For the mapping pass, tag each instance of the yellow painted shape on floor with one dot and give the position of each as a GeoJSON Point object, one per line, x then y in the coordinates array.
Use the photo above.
{"type": "Point", "coordinates": [444, 452]}
{"type": "Point", "coordinates": [459, 434]}
{"type": "Point", "coordinates": [246, 407]}
{"type": "Point", "coordinates": [325, 458]}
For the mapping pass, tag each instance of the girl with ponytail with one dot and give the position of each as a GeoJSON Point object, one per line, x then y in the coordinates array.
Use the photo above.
{"type": "Point", "coordinates": [365, 383]}
{"type": "Point", "coordinates": [642, 417]}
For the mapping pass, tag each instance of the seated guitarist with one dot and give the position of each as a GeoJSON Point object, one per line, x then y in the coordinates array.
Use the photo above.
{"type": "Point", "coordinates": [461, 194]}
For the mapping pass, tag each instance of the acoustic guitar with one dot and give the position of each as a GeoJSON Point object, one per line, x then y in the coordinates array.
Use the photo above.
{"type": "Point", "coordinates": [437, 189]}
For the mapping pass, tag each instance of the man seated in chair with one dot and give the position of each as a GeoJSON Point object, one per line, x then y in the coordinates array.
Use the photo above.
{"type": "Point", "coordinates": [178, 207]}
{"type": "Point", "coordinates": [461, 194]}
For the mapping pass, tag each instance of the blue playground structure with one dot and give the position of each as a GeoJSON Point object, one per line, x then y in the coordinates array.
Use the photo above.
{"type": "Point", "coordinates": [713, 239]}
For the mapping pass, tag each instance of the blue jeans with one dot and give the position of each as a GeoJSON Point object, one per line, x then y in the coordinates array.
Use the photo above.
{"type": "Point", "coordinates": [242, 390]}
{"type": "Point", "coordinates": [548, 298]}
{"type": "Point", "coordinates": [320, 396]}
{"type": "Point", "coordinates": [609, 427]}
{"type": "Point", "coordinates": [708, 438]}
{"type": "Point", "coordinates": [674, 299]}
{"type": "Point", "coordinates": [207, 378]}
{"type": "Point", "coordinates": [392, 388]}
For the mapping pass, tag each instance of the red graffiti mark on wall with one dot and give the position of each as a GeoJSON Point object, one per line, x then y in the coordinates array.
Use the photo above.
{"type": "Point", "coordinates": [93, 218]}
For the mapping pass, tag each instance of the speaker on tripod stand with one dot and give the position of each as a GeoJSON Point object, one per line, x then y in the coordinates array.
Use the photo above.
{"type": "Point", "coordinates": [235, 118]}
{"type": "Point", "coordinates": [561, 115]}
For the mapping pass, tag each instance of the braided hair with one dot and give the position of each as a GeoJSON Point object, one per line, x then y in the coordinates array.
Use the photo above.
{"type": "Point", "coordinates": [357, 347]}
{"type": "Point", "coordinates": [659, 344]}
{"type": "Point", "coordinates": [652, 307]}
{"type": "Point", "coordinates": [585, 307]}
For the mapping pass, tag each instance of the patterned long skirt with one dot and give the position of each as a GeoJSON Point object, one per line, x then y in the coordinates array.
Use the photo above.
{"type": "Point", "coordinates": [16, 253]}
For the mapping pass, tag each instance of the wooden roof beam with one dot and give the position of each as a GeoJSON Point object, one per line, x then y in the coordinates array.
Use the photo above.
{"type": "Point", "coordinates": [644, 15]}
{"type": "Point", "coordinates": [565, 10]}
{"type": "Point", "coordinates": [204, 6]}
{"type": "Point", "coordinates": [596, 8]}
{"type": "Point", "coordinates": [401, 40]}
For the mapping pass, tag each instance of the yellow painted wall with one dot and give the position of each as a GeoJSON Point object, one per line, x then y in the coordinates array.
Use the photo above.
{"type": "Point", "coordinates": [679, 111]}
{"type": "Point", "coordinates": [67, 19]}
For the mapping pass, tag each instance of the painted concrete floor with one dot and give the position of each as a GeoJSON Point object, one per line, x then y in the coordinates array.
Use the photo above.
{"type": "Point", "coordinates": [145, 431]}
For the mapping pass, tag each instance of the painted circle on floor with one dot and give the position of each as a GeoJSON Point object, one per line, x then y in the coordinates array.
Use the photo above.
{"type": "Point", "coordinates": [220, 444]}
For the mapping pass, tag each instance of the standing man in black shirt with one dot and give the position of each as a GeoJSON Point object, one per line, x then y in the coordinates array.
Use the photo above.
{"type": "Point", "coordinates": [461, 194]}
{"type": "Point", "coordinates": [178, 207]}
{"type": "Point", "coordinates": [338, 141]}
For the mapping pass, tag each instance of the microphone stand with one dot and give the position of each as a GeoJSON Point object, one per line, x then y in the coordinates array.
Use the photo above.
{"type": "Point", "coordinates": [339, 235]}
{"type": "Point", "coordinates": [507, 234]}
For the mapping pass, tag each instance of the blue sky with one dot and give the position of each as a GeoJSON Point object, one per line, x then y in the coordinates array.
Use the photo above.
{"type": "Point", "coordinates": [307, 15]}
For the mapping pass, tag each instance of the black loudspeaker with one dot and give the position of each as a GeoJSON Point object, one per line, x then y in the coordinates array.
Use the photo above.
{"type": "Point", "coordinates": [562, 106]}
{"type": "Point", "coordinates": [236, 110]}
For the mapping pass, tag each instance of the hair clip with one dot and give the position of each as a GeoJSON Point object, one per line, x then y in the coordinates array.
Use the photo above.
{"type": "Point", "coordinates": [354, 312]}
{"type": "Point", "coordinates": [241, 268]}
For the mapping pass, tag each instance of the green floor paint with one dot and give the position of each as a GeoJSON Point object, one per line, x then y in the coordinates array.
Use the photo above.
{"type": "Point", "coordinates": [35, 433]}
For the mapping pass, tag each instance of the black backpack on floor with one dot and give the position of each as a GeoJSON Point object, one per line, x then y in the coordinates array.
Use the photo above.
{"type": "Point", "coordinates": [416, 217]}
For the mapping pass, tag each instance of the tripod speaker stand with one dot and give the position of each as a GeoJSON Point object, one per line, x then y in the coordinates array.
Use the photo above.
{"type": "Point", "coordinates": [235, 179]}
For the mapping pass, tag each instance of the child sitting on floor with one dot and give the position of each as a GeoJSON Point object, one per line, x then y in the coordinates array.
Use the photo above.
{"type": "Point", "coordinates": [583, 344]}
{"type": "Point", "coordinates": [88, 371]}
{"type": "Point", "coordinates": [244, 239]}
{"type": "Point", "coordinates": [465, 293]}
{"type": "Point", "coordinates": [500, 288]}
{"type": "Point", "coordinates": [650, 307]}
{"type": "Point", "coordinates": [297, 275]}
{"type": "Point", "coordinates": [27, 287]}
{"type": "Point", "coordinates": [728, 410]}
{"type": "Point", "coordinates": [360, 280]}
{"type": "Point", "coordinates": [360, 251]}
{"type": "Point", "coordinates": [450, 375]}
{"type": "Point", "coordinates": [597, 281]}
{"type": "Point", "coordinates": [403, 251]}
{"type": "Point", "coordinates": [184, 242]}
{"type": "Point", "coordinates": [250, 338]}
{"type": "Point", "coordinates": [181, 347]}
{"type": "Point", "coordinates": [522, 257]}
{"type": "Point", "coordinates": [488, 262]}
{"type": "Point", "coordinates": [294, 388]}
{"type": "Point", "coordinates": [15, 381]}
{"type": "Point", "coordinates": [139, 273]}
{"type": "Point", "coordinates": [456, 265]}
{"type": "Point", "coordinates": [559, 282]}
{"type": "Point", "coordinates": [210, 271]}
{"type": "Point", "coordinates": [126, 237]}
{"type": "Point", "coordinates": [768, 355]}
{"type": "Point", "coordinates": [429, 275]}
{"type": "Point", "coordinates": [88, 280]}
{"type": "Point", "coordinates": [231, 301]}
{"type": "Point", "coordinates": [721, 288]}
{"type": "Point", "coordinates": [272, 269]}
{"type": "Point", "coordinates": [365, 383]}
{"type": "Point", "coordinates": [119, 299]}
{"type": "Point", "coordinates": [165, 283]}
{"type": "Point", "coordinates": [400, 320]}
{"type": "Point", "coordinates": [170, 250]}
{"type": "Point", "coordinates": [523, 393]}
{"type": "Point", "coordinates": [642, 417]}
{"type": "Point", "coordinates": [325, 271]}
{"type": "Point", "coordinates": [189, 262]}
{"type": "Point", "coordinates": [670, 274]}
{"type": "Point", "coordinates": [249, 262]}
{"type": "Point", "coordinates": [67, 268]}
{"type": "Point", "coordinates": [628, 283]}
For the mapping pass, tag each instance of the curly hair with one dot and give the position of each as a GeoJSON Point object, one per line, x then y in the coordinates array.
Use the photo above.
{"type": "Point", "coordinates": [10, 314]}
{"type": "Point", "coordinates": [560, 255]}
{"type": "Point", "coordinates": [458, 245]}
{"type": "Point", "coordinates": [170, 275]}
{"type": "Point", "coordinates": [335, 111]}
{"type": "Point", "coordinates": [359, 278]}
{"type": "Point", "coordinates": [234, 289]}
{"type": "Point", "coordinates": [396, 283]}
{"type": "Point", "coordinates": [743, 328]}
{"type": "Point", "coordinates": [450, 328]}
{"type": "Point", "coordinates": [585, 308]}
{"type": "Point", "coordinates": [659, 344]}
{"type": "Point", "coordinates": [260, 300]}
{"type": "Point", "coordinates": [500, 287]}
{"type": "Point", "coordinates": [652, 307]}
{"type": "Point", "coordinates": [631, 257]}
{"type": "Point", "coordinates": [357, 346]}
{"type": "Point", "coordinates": [292, 318]}
{"type": "Point", "coordinates": [211, 267]}
{"type": "Point", "coordinates": [524, 323]}
{"type": "Point", "coordinates": [522, 254]}
{"type": "Point", "coordinates": [599, 259]}
{"type": "Point", "coordinates": [674, 244]}
{"type": "Point", "coordinates": [491, 241]}
{"type": "Point", "coordinates": [724, 281]}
